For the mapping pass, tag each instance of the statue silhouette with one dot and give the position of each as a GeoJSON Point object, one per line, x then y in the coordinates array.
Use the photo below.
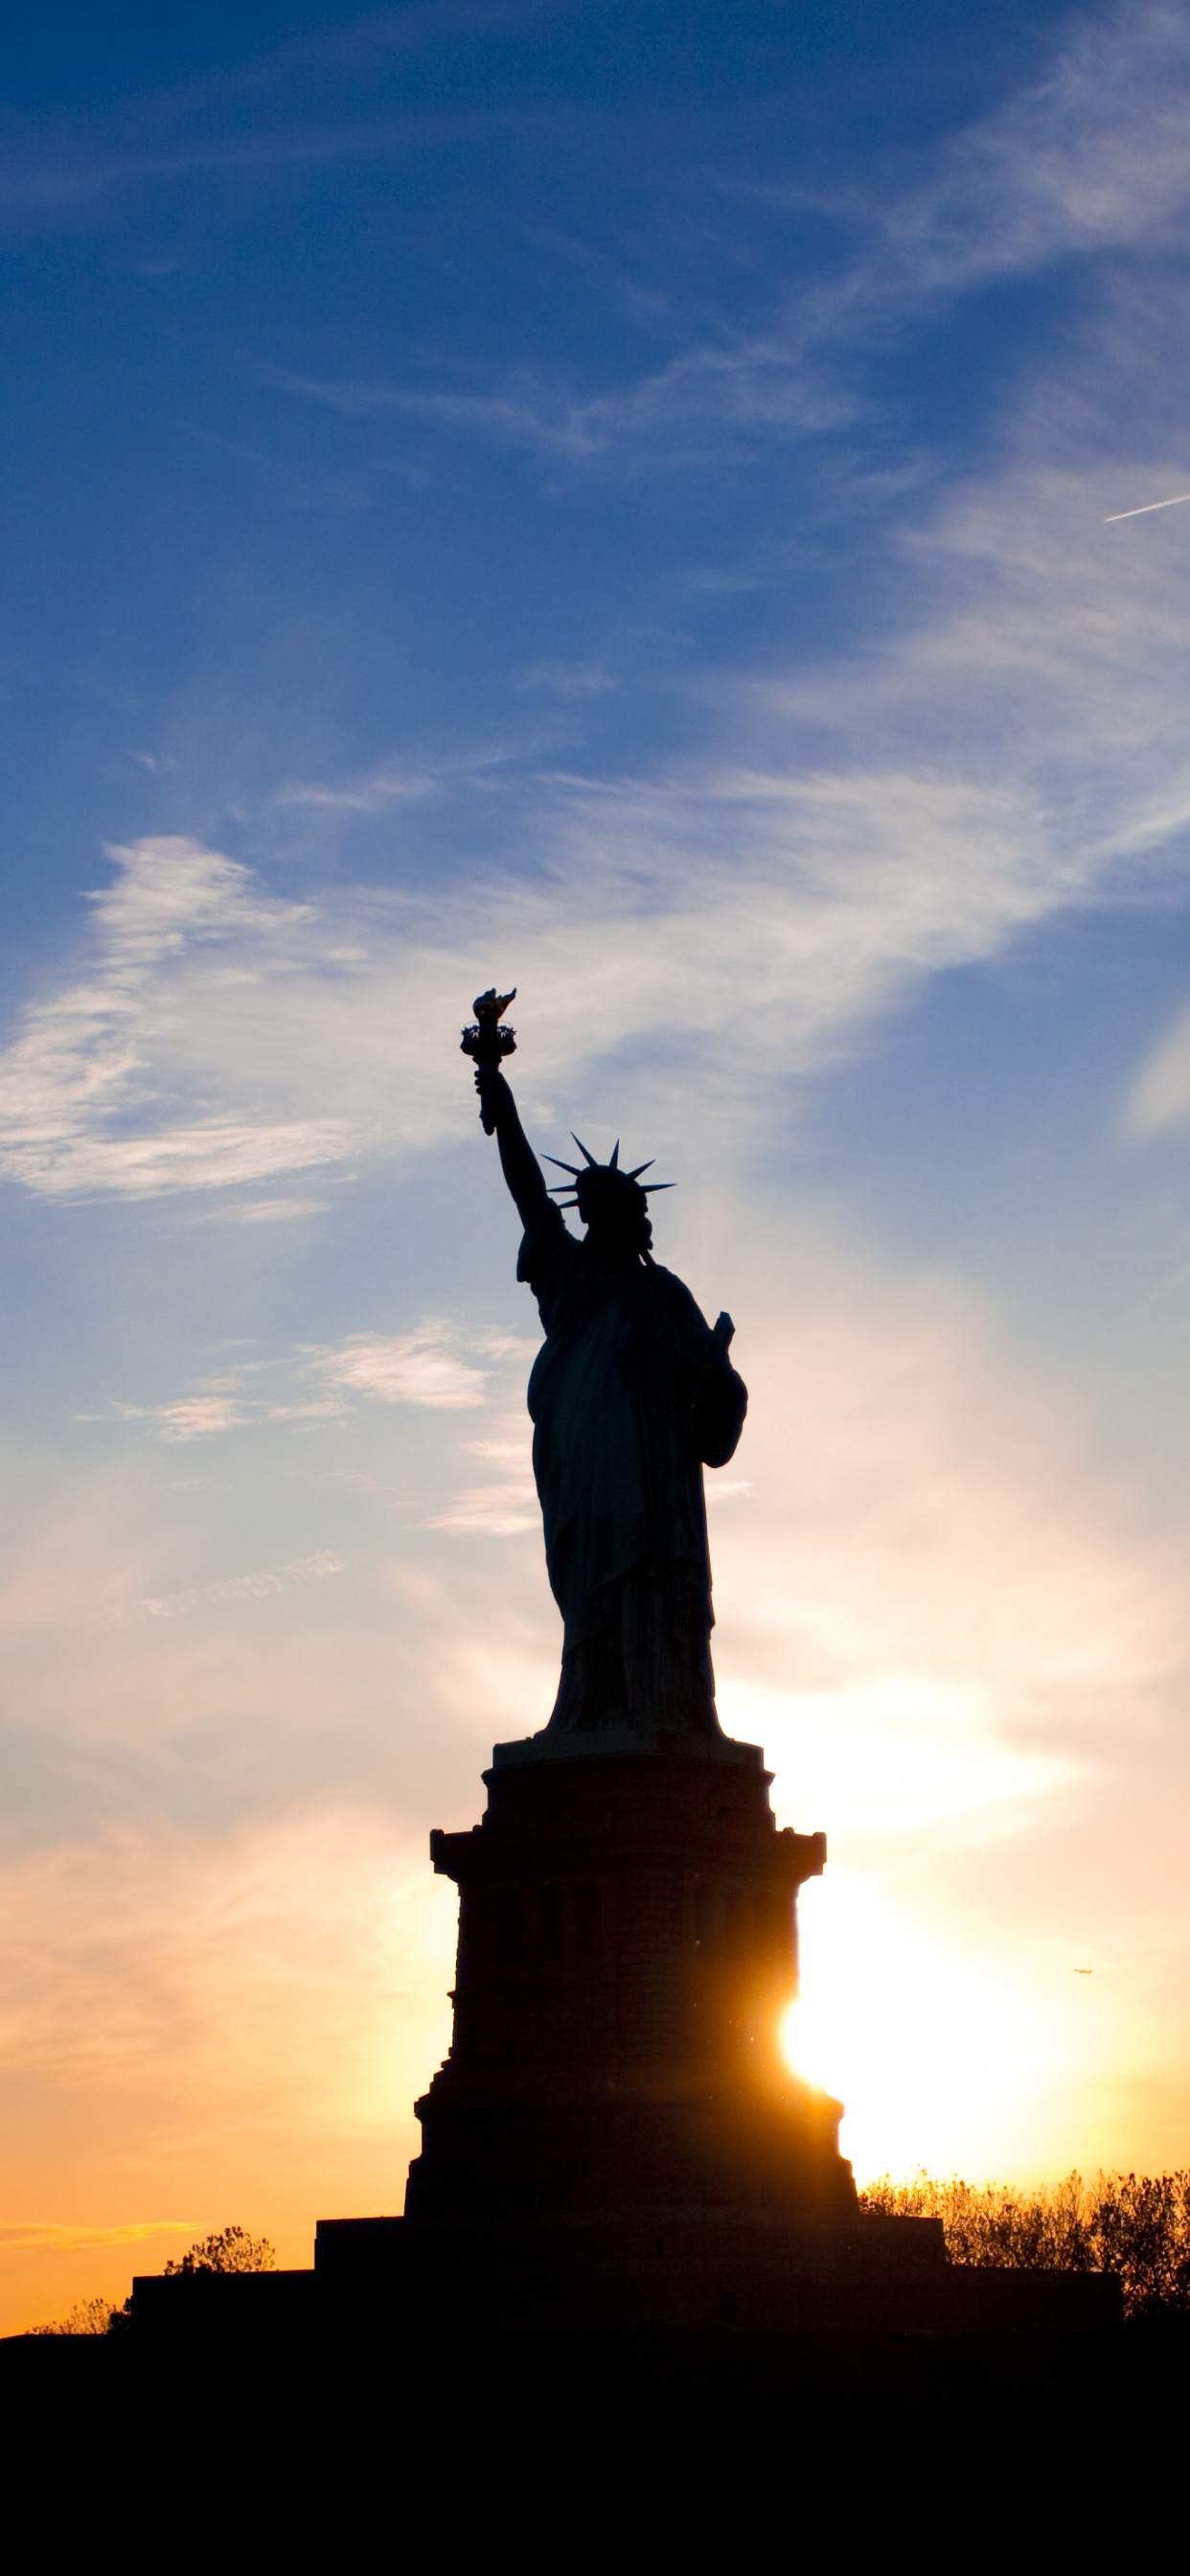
{"type": "Point", "coordinates": [631, 1395]}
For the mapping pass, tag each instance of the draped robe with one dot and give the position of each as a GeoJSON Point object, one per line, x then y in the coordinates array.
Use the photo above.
{"type": "Point", "coordinates": [630, 1396]}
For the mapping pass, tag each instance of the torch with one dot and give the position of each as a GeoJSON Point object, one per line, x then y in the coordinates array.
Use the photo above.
{"type": "Point", "coordinates": [488, 1042]}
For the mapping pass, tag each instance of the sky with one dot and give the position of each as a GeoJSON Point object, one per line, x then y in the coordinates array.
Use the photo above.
{"type": "Point", "coordinates": [654, 504]}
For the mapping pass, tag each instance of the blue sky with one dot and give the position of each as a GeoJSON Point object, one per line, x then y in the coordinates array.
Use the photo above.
{"type": "Point", "coordinates": [620, 501]}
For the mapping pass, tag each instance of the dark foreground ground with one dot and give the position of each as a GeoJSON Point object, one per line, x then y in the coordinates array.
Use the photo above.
{"type": "Point", "coordinates": [353, 2450]}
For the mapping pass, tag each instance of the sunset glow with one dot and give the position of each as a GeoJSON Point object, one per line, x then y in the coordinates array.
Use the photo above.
{"type": "Point", "coordinates": [938, 2061]}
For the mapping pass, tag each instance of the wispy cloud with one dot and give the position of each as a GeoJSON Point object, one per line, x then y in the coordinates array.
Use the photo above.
{"type": "Point", "coordinates": [368, 794]}
{"type": "Point", "coordinates": [211, 1596]}
{"type": "Point", "coordinates": [1160, 1095]}
{"type": "Point", "coordinates": [80, 1067]}
{"type": "Point", "coordinates": [203, 1417]}
{"type": "Point", "coordinates": [274, 1211]}
{"type": "Point", "coordinates": [328, 1037]}
{"type": "Point", "coordinates": [74, 2239]}
{"type": "Point", "coordinates": [414, 1368]}
{"type": "Point", "coordinates": [765, 386]}
{"type": "Point", "coordinates": [193, 1417]}
{"type": "Point", "coordinates": [1092, 157]}
{"type": "Point", "coordinates": [433, 1366]}
{"type": "Point", "coordinates": [312, 100]}
{"type": "Point", "coordinates": [1092, 154]}
{"type": "Point", "coordinates": [568, 679]}
{"type": "Point", "coordinates": [490, 1511]}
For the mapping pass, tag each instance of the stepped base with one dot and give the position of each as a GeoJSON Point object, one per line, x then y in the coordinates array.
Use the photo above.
{"type": "Point", "coordinates": [690, 2274]}
{"type": "Point", "coordinates": [694, 2272]}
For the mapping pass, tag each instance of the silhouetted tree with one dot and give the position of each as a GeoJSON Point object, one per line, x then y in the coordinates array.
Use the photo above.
{"type": "Point", "coordinates": [1135, 2224]}
{"type": "Point", "coordinates": [87, 2317]}
{"type": "Point", "coordinates": [1142, 2231]}
{"type": "Point", "coordinates": [228, 2249]}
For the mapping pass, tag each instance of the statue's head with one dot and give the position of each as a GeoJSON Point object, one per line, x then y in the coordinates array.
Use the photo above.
{"type": "Point", "coordinates": [613, 1205]}
{"type": "Point", "coordinates": [614, 1210]}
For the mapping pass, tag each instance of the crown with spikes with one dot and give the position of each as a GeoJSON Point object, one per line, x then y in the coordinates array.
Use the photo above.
{"type": "Point", "coordinates": [591, 1179]}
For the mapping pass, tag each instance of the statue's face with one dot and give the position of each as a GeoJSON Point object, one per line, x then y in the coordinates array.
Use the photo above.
{"type": "Point", "coordinates": [622, 1231]}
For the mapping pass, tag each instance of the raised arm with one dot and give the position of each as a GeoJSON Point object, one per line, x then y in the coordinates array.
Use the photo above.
{"type": "Point", "coordinates": [521, 1169]}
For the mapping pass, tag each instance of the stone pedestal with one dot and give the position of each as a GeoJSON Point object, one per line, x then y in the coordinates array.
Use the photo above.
{"type": "Point", "coordinates": [627, 1945]}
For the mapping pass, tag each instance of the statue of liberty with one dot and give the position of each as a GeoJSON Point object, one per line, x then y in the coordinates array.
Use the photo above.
{"type": "Point", "coordinates": [631, 1395]}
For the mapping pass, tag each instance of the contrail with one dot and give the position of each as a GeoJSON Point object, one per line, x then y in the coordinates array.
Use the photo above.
{"type": "Point", "coordinates": [1145, 508]}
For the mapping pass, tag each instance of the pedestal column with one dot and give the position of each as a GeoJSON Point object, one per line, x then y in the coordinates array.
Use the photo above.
{"type": "Point", "coordinates": [627, 1946]}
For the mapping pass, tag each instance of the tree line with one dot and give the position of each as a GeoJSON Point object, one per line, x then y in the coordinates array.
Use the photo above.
{"type": "Point", "coordinates": [1137, 2225]}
